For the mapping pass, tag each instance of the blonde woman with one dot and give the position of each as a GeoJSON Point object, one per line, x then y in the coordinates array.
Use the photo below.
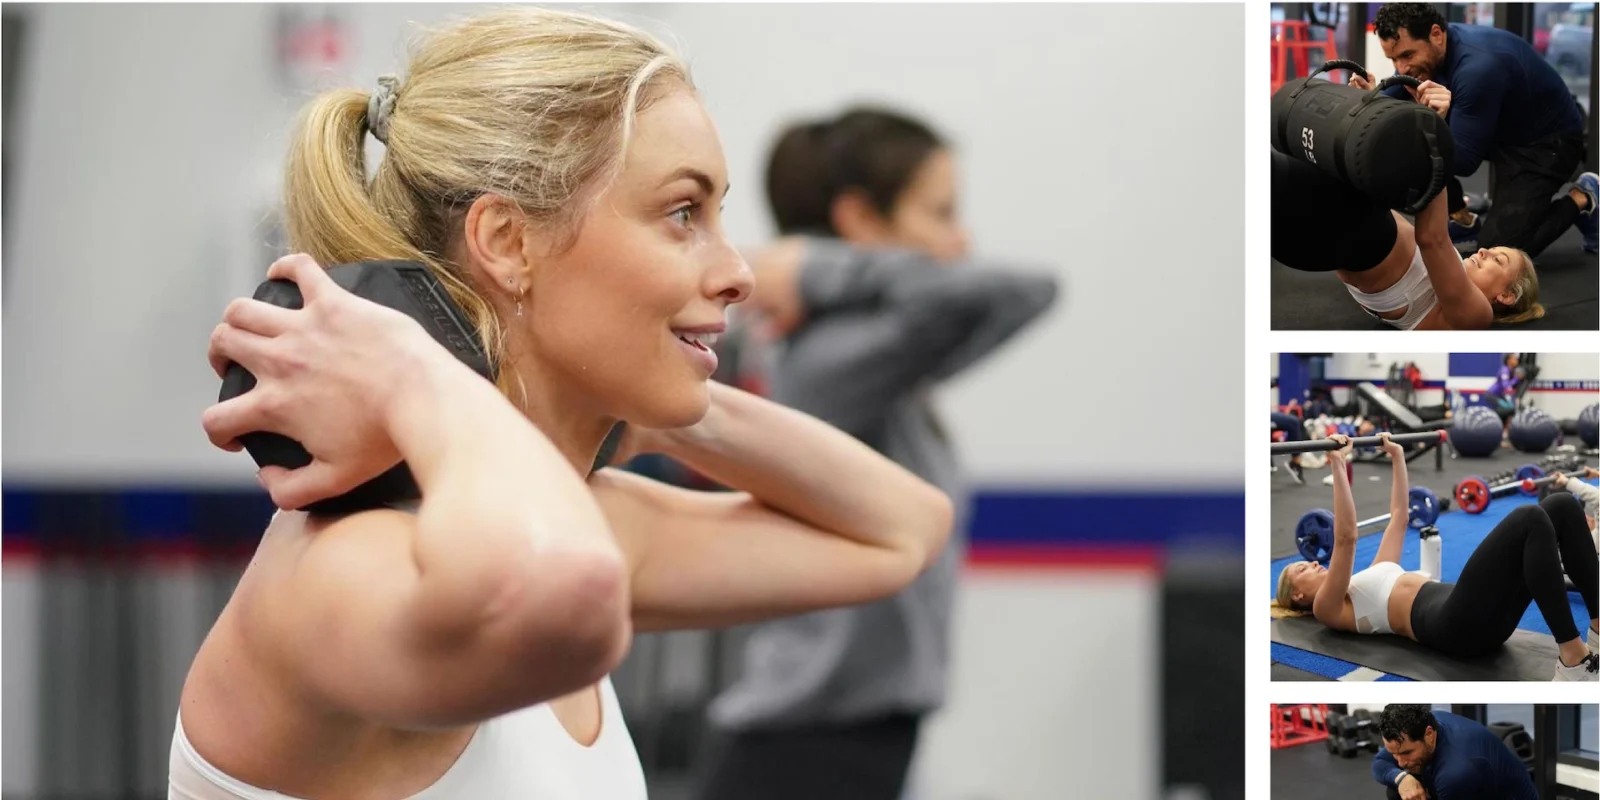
{"type": "Point", "coordinates": [560, 174]}
{"type": "Point", "coordinates": [1407, 276]}
{"type": "Point", "coordinates": [1519, 561]}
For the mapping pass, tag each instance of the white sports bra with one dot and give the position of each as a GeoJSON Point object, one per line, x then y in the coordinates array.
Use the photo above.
{"type": "Point", "coordinates": [1413, 292]}
{"type": "Point", "coordinates": [526, 753]}
{"type": "Point", "coordinates": [1369, 592]}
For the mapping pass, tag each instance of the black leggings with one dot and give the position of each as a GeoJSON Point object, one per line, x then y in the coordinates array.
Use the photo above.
{"type": "Point", "coordinates": [1293, 429]}
{"type": "Point", "coordinates": [1320, 223]}
{"type": "Point", "coordinates": [1520, 560]}
{"type": "Point", "coordinates": [862, 761]}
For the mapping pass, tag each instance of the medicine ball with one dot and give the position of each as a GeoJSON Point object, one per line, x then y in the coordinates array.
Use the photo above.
{"type": "Point", "coordinates": [1476, 432]}
{"type": "Point", "coordinates": [1589, 425]}
{"type": "Point", "coordinates": [1533, 431]}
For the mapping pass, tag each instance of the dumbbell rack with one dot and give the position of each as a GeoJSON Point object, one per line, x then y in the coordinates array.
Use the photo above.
{"type": "Point", "coordinates": [1349, 734]}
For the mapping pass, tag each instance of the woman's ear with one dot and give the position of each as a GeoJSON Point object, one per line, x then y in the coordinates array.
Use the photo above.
{"type": "Point", "coordinates": [856, 220]}
{"type": "Point", "coordinates": [494, 233]}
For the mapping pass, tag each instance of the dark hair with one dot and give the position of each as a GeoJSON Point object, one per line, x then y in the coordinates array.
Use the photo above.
{"type": "Point", "coordinates": [1416, 19]}
{"type": "Point", "coordinates": [1506, 359]}
{"type": "Point", "coordinates": [797, 184]}
{"type": "Point", "coordinates": [870, 150]}
{"type": "Point", "coordinates": [1412, 721]}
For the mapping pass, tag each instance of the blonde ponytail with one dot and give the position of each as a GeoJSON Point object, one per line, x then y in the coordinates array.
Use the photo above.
{"type": "Point", "coordinates": [531, 104]}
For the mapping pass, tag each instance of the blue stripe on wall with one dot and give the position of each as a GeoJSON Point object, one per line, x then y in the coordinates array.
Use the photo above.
{"type": "Point", "coordinates": [1475, 365]}
{"type": "Point", "coordinates": [1108, 518]}
{"type": "Point", "coordinates": [52, 519]}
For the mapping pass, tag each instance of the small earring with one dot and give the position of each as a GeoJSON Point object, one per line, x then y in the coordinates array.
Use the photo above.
{"type": "Point", "coordinates": [511, 285]}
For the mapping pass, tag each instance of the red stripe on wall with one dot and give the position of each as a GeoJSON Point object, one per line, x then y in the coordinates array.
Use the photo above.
{"type": "Point", "coordinates": [1033, 557]}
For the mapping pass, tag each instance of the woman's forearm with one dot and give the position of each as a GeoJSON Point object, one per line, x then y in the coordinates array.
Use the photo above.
{"type": "Point", "coordinates": [1344, 501]}
{"type": "Point", "coordinates": [1330, 598]}
{"type": "Point", "coordinates": [500, 504]}
{"type": "Point", "coordinates": [811, 471]}
{"type": "Point", "coordinates": [1400, 494]}
{"type": "Point", "coordinates": [1463, 306]}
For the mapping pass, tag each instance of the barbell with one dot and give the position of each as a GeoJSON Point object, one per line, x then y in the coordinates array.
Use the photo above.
{"type": "Point", "coordinates": [1313, 534]}
{"type": "Point", "coordinates": [1474, 493]}
{"type": "Point", "coordinates": [1315, 445]}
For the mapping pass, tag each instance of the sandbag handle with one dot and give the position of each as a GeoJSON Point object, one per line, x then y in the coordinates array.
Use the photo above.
{"type": "Point", "coordinates": [1436, 181]}
{"type": "Point", "coordinates": [1329, 66]}
{"type": "Point", "coordinates": [1397, 80]}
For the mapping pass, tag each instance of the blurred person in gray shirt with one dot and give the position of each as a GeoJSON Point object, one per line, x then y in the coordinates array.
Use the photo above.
{"type": "Point", "coordinates": [871, 298]}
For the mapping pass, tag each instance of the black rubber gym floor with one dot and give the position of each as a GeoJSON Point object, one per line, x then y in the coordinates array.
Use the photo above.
{"type": "Point", "coordinates": [1290, 500]}
{"type": "Point", "coordinates": [1569, 288]}
{"type": "Point", "coordinates": [1310, 772]}
{"type": "Point", "coordinates": [1284, 672]}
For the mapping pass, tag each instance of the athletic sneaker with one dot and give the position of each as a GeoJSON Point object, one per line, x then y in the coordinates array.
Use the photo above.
{"type": "Point", "coordinates": [1588, 220]}
{"type": "Point", "coordinates": [1594, 641]}
{"type": "Point", "coordinates": [1587, 670]}
{"type": "Point", "coordinates": [1297, 472]}
{"type": "Point", "coordinates": [1463, 233]}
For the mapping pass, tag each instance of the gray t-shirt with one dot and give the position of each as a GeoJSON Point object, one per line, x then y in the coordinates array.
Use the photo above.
{"type": "Point", "coordinates": [882, 326]}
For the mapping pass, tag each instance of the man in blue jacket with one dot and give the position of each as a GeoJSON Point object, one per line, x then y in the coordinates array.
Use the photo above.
{"type": "Point", "coordinates": [1506, 104]}
{"type": "Point", "coordinates": [1439, 756]}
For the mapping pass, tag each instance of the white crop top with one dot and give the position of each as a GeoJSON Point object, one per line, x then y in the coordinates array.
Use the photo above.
{"type": "Point", "coordinates": [1413, 292]}
{"type": "Point", "coordinates": [522, 754]}
{"type": "Point", "coordinates": [1369, 592]}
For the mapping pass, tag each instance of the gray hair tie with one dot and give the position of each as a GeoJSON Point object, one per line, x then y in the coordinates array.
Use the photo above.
{"type": "Point", "coordinates": [380, 106]}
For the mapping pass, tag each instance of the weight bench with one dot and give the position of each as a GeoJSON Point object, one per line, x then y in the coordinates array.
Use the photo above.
{"type": "Point", "coordinates": [1400, 416]}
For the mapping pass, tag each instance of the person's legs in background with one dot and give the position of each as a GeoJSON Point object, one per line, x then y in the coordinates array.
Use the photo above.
{"type": "Point", "coordinates": [1525, 178]}
{"type": "Point", "coordinates": [865, 761]}
{"type": "Point", "coordinates": [1586, 195]}
{"type": "Point", "coordinates": [1506, 407]}
{"type": "Point", "coordinates": [1293, 431]}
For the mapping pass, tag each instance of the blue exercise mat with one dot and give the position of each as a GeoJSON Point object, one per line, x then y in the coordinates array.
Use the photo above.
{"type": "Point", "coordinates": [1460, 535]}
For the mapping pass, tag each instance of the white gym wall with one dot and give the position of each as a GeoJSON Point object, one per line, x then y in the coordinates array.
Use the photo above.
{"type": "Point", "coordinates": [147, 149]}
{"type": "Point", "coordinates": [151, 136]}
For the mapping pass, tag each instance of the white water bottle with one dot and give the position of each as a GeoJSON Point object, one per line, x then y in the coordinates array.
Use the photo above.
{"type": "Point", "coordinates": [1432, 553]}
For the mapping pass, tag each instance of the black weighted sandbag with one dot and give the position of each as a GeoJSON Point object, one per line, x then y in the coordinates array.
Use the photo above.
{"type": "Point", "coordinates": [1398, 152]}
{"type": "Point", "coordinates": [406, 286]}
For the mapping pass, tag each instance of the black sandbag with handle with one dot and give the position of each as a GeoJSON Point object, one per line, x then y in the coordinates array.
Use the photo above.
{"type": "Point", "coordinates": [1398, 152]}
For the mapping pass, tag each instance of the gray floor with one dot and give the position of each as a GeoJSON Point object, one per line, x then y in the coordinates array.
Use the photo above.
{"type": "Point", "coordinates": [1310, 772]}
{"type": "Point", "coordinates": [1284, 672]}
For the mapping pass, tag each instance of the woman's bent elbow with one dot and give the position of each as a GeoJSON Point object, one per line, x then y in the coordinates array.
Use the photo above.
{"type": "Point", "coordinates": [579, 625]}
{"type": "Point", "coordinates": [938, 526]}
{"type": "Point", "coordinates": [602, 603]}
